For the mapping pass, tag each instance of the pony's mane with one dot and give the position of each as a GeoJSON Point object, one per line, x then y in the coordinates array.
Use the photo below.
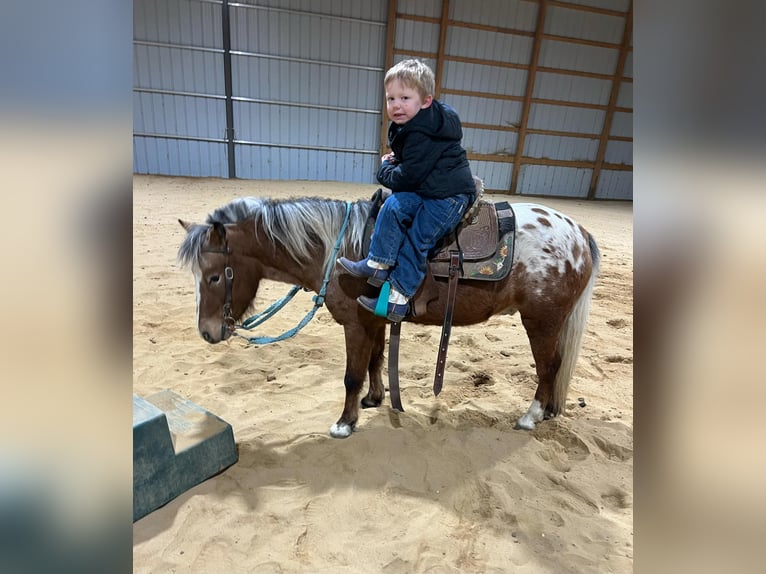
{"type": "Point", "coordinates": [300, 225]}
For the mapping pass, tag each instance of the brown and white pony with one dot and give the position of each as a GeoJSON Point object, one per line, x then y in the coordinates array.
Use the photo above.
{"type": "Point", "coordinates": [555, 264]}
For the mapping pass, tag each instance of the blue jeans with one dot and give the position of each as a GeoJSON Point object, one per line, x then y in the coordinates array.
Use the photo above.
{"type": "Point", "coordinates": [407, 228]}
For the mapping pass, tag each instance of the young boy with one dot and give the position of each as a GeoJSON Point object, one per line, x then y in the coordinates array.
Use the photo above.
{"type": "Point", "coordinates": [431, 181]}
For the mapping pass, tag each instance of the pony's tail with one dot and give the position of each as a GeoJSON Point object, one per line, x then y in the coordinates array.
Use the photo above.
{"type": "Point", "coordinates": [570, 337]}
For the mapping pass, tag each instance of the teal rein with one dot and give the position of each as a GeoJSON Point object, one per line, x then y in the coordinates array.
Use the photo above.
{"type": "Point", "coordinates": [272, 310]}
{"type": "Point", "coordinates": [269, 312]}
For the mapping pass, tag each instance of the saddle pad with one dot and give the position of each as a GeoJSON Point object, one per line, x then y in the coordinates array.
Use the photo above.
{"type": "Point", "coordinates": [477, 238]}
{"type": "Point", "coordinates": [498, 263]}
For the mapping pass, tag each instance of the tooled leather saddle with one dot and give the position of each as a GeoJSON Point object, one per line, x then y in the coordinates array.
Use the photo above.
{"type": "Point", "coordinates": [480, 248]}
{"type": "Point", "coordinates": [484, 238]}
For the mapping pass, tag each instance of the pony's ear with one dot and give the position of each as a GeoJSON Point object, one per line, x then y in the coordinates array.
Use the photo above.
{"type": "Point", "coordinates": [186, 225]}
{"type": "Point", "coordinates": [219, 228]}
{"type": "Point", "coordinates": [217, 233]}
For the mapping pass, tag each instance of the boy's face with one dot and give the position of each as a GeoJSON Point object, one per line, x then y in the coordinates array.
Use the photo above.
{"type": "Point", "coordinates": [403, 103]}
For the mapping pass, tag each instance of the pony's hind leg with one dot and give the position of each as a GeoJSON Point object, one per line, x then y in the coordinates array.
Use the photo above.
{"type": "Point", "coordinates": [376, 393]}
{"type": "Point", "coordinates": [543, 339]}
{"type": "Point", "coordinates": [359, 345]}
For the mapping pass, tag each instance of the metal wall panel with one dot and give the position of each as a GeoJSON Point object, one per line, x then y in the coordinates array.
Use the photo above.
{"type": "Point", "coordinates": [267, 80]}
{"type": "Point", "coordinates": [484, 78]}
{"type": "Point", "coordinates": [177, 69]}
{"type": "Point", "coordinates": [186, 22]}
{"type": "Point", "coordinates": [307, 88]}
{"type": "Point", "coordinates": [307, 84]}
{"type": "Point", "coordinates": [496, 175]}
{"type": "Point", "coordinates": [628, 71]}
{"type": "Point", "coordinates": [622, 124]}
{"type": "Point", "coordinates": [413, 36]}
{"type": "Point", "coordinates": [490, 111]}
{"type": "Point", "coordinates": [306, 79]}
{"type": "Point", "coordinates": [625, 96]}
{"type": "Point", "coordinates": [564, 118]}
{"type": "Point", "coordinates": [557, 147]}
{"type": "Point", "coordinates": [428, 8]}
{"type": "Point", "coordinates": [572, 23]}
{"type": "Point", "coordinates": [267, 124]}
{"type": "Point", "coordinates": [619, 152]}
{"type": "Point", "coordinates": [552, 180]}
{"type": "Point", "coordinates": [513, 14]}
{"type": "Point", "coordinates": [273, 162]}
{"type": "Point", "coordinates": [489, 141]}
{"type": "Point", "coordinates": [167, 114]}
{"type": "Point", "coordinates": [502, 45]}
{"type": "Point", "coordinates": [572, 88]}
{"type": "Point", "coordinates": [579, 57]}
{"type": "Point", "coordinates": [178, 86]}
{"type": "Point", "coordinates": [327, 8]}
{"type": "Point", "coordinates": [313, 36]}
{"type": "Point", "coordinates": [619, 5]}
{"type": "Point", "coordinates": [615, 185]}
{"type": "Point", "coordinates": [496, 46]}
{"type": "Point", "coordinates": [179, 157]}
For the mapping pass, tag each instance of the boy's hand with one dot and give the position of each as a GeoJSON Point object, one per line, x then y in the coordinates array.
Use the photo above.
{"type": "Point", "coordinates": [388, 157]}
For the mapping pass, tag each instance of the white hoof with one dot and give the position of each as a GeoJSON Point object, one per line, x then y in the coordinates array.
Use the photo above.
{"type": "Point", "coordinates": [340, 430]}
{"type": "Point", "coordinates": [533, 416]}
{"type": "Point", "coordinates": [525, 423]}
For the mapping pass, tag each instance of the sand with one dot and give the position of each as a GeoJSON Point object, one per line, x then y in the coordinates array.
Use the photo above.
{"type": "Point", "coordinates": [447, 486]}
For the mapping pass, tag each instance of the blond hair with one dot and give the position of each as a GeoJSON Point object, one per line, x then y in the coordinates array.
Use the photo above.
{"type": "Point", "coordinates": [413, 74]}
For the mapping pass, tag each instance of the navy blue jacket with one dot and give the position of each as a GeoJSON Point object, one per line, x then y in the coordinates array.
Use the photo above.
{"type": "Point", "coordinates": [429, 159]}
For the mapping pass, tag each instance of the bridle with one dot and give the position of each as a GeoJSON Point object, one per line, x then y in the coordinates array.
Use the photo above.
{"type": "Point", "coordinates": [228, 277]}
{"type": "Point", "coordinates": [228, 320]}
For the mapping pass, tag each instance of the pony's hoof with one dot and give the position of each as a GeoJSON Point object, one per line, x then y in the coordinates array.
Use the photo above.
{"type": "Point", "coordinates": [368, 403]}
{"type": "Point", "coordinates": [525, 423]}
{"type": "Point", "coordinates": [533, 416]}
{"type": "Point", "coordinates": [341, 430]}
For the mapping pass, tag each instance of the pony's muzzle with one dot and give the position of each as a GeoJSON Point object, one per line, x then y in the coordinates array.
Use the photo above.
{"type": "Point", "coordinates": [208, 338]}
{"type": "Point", "coordinates": [225, 331]}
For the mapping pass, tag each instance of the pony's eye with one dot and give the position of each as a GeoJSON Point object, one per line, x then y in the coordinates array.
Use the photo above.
{"type": "Point", "coordinates": [214, 279]}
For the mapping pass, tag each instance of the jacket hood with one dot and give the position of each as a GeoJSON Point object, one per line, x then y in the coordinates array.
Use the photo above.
{"type": "Point", "coordinates": [437, 121]}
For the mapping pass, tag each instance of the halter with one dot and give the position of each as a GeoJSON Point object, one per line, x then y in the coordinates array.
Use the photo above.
{"type": "Point", "coordinates": [228, 278]}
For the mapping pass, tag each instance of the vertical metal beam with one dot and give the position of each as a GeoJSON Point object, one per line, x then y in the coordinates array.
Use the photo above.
{"type": "Point", "coordinates": [442, 43]}
{"type": "Point", "coordinates": [539, 28]}
{"type": "Point", "coordinates": [616, 82]}
{"type": "Point", "coordinates": [226, 29]}
{"type": "Point", "coordinates": [390, 38]}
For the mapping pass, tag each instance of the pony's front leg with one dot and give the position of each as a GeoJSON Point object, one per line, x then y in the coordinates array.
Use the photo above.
{"type": "Point", "coordinates": [359, 345]}
{"type": "Point", "coordinates": [376, 392]}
